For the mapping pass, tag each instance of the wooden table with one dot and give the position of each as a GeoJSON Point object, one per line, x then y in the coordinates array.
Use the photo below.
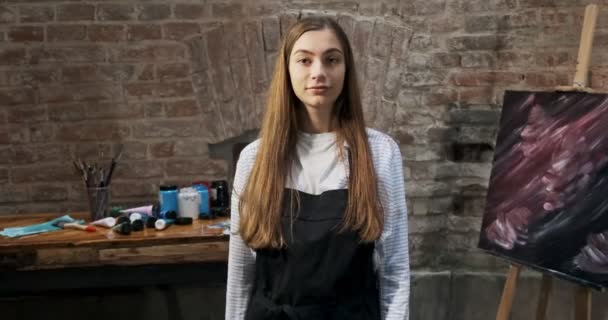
{"type": "Point", "coordinates": [75, 255]}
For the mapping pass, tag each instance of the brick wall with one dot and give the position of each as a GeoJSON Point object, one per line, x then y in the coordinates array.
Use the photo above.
{"type": "Point", "coordinates": [172, 79]}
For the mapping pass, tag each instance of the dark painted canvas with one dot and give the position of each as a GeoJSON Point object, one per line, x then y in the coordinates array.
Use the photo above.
{"type": "Point", "coordinates": [547, 201]}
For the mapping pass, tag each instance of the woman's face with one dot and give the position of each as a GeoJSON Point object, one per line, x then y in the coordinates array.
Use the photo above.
{"type": "Point", "coordinates": [316, 69]}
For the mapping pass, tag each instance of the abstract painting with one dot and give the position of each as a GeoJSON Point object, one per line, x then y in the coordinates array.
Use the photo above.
{"type": "Point", "coordinates": [547, 201]}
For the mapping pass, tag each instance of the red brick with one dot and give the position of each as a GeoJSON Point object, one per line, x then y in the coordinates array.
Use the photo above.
{"type": "Point", "coordinates": [7, 15]}
{"type": "Point", "coordinates": [79, 73]}
{"type": "Point", "coordinates": [131, 189]}
{"type": "Point", "coordinates": [93, 131]}
{"type": "Point", "coordinates": [75, 12]}
{"type": "Point", "coordinates": [476, 79]}
{"type": "Point", "coordinates": [153, 110]}
{"type": "Point", "coordinates": [179, 148]}
{"type": "Point", "coordinates": [482, 42]}
{"type": "Point", "coordinates": [116, 72]}
{"type": "Point", "coordinates": [175, 89]}
{"type": "Point", "coordinates": [138, 169]}
{"type": "Point", "coordinates": [66, 112]}
{"type": "Point", "coordinates": [137, 32]}
{"type": "Point", "coordinates": [114, 111]}
{"type": "Point", "coordinates": [28, 114]}
{"type": "Point", "coordinates": [149, 12]}
{"type": "Point", "coordinates": [183, 108]}
{"type": "Point", "coordinates": [66, 32]}
{"type": "Point", "coordinates": [21, 133]}
{"type": "Point", "coordinates": [17, 96]}
{"type": "Point", "coordinates": [441, 97]}
{"type": "Point", "coordinates": [140, 91]}
{"type": "Point", "coordinates": [227, 10]}
{"type": "Point", "coordinates": [81, 53]}
{"type": "Point", "coordinates": [92, 151]}
{"type": "Point", "coordinates": [190, 11]}
{"type": "Point", "coordinates": [272, 33]}
{"type": "Point", "coordinates": [554, 59]}
{"type": "Point", "coordinates": [13, 194]}
{"type": "Point", "coordinates": [480, 95]}
{"type": "Point", "coordinates": [445, 60]}
{"type": "Point", "coordinates": [36, 13]}
{"type": "Point", "coordinates": [4, 136]}
{"type": "Point", "coordinates": [163, 149]}
{"type": "Point", "coordinates": [167, 128]}
{"type": "Point", "coordinates": [107, 33]}
{"type": "Point", "coordinates": [263, 9]}
{"type": "Point", "coordinates": [26, 34]}
{"type": "Point", "coordinates": [133, 150]}
{"type": "Point", "coordinates": [12, 56]}
{"type": "Point", "coordinates": [3, 176]}
{"type": "Point", "coordinates": [115, 12]}
{"type": "Point", "coordinates": [235, 40]}
{"type": "Point", "coordinates": [173, 71]}
{"type": "Point", "coordinates": [150, 52]}
{"type": "Point", "coordinates": [206, 167]}
{"type": "Point", "coordinates": [546, 80]}
{"type": "Point", "coordinates": [43, 173]}
{"type": "Point", "coordinates": [507, 59]}
{"type": "Point", "coordinates": [48, 193]}
{"type": "Point", "coordinates": [180, 30]}
{"type": "Point", "coordinates": [80, 93]}
{"type": "Point", "coordinates": [7, 155]}
{"type": "Point", "coordinates": [478, 60]}
{"type": "Point", "coordinates": [42, 153]}
{"type": "Point", "coordinates": [144, 72]}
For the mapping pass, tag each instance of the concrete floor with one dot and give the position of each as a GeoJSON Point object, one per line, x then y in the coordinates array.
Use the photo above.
{"type": "Point", "coordinates": [435, 296]}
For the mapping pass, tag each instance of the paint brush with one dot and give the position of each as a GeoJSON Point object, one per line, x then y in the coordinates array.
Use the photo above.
{"type": "Point", "coordinates": [74, 225]}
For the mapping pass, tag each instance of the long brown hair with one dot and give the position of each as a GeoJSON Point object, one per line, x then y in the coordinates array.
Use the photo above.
{"type": "Point", "coordinates": [262, 200]}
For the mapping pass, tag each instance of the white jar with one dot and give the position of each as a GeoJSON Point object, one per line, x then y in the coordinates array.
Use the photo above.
{"type": "Point", "coordinates": [189, 202]}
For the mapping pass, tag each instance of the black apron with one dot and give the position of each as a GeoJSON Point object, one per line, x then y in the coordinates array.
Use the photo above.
{"type": "Point", "coordinates": [322, 274]}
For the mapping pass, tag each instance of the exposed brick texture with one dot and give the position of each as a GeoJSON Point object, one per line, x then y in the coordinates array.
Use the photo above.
{"type": "Point", "coordinates": [166, 79]}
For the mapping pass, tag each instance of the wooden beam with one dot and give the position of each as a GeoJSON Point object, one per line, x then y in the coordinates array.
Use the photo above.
{"type": "Point", "coordinates": [582, 303]}
{"type": "Point", "coordinates": [543, 298]}
{"type": "Point", "coordinates": [506, 302]}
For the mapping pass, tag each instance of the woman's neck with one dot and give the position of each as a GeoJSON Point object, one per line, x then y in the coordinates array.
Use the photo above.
{"type": "Point", "coordinates": [315, 121]}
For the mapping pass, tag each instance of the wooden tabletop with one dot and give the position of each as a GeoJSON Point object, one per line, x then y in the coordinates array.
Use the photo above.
{"type": "Point", "coordinates": [76, 248]}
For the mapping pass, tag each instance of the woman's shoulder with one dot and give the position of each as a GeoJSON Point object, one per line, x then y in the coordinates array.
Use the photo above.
{"type": "Point", "coordinates": [381, 144]}
{"type": "Point", "coordinates": [250, 151]}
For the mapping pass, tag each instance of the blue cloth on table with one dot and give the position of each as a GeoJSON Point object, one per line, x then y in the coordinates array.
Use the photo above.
{"type": "Point", "coordinates": [36, 228]}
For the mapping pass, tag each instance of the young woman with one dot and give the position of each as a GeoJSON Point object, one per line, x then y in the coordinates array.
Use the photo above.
{"type": "Point", "coordinates": [319, 221]}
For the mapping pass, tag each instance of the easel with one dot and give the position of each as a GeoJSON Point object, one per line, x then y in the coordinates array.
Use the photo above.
{"type": "Point", "coordinates": [582, 295]}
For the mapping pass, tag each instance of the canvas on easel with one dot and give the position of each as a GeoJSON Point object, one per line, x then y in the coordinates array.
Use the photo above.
{"type": "Point", "coordinates": [546, 206]}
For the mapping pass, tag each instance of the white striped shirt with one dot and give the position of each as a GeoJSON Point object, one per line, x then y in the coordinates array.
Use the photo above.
{"type": "Point", "coordinates": [391, 250]}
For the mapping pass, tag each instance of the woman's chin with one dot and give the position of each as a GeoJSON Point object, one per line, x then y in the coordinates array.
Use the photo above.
{"type": "Point", "coordinates": [318, 104]}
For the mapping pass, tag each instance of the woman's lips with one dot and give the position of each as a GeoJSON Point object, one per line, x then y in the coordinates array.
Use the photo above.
{"type": "Point", "coordinates": [317, 89]}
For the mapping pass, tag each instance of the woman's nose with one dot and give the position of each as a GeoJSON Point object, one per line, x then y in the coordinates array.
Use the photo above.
{"type": "Point", "coordinates": [317, 70]}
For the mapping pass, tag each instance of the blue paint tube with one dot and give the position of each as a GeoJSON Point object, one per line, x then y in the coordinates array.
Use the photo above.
{"type": "Point", "coordinates": [162, 224]}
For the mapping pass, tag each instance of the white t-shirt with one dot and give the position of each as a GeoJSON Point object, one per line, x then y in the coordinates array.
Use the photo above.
{"type": "Point", "coordinates": [318, 167]}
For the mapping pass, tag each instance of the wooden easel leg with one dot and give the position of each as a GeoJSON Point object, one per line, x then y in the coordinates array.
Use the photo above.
{"type": "Point", "coordinates": [506, 302]}
{"type": "Point", "coordinates": [543, 299]}
{"type": "Point", "coordinates": [582, 303]}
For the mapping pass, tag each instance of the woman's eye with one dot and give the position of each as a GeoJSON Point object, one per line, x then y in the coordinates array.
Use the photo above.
{"type": "Point", "coordinates": [333, 60]}
{"type": "Point", "coordinates": [304, 61]}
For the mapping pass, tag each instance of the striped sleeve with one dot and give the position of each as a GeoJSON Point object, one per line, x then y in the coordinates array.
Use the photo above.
{"type": "Point", "coordinates": [392, 251]}
{"type": "Point", "coordinates": [241, 259]}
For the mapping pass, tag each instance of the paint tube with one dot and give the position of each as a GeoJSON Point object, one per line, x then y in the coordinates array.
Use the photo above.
{"type": "Point", "coordinates": [108, 222]}
{"type": "Point", "coordinates": [162, 224]}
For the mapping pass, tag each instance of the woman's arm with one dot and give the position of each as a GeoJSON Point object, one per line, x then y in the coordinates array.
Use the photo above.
{"type": "Point", "coordinates": [241, 259]}
{"type": "Point", "coordinates": [392, 247]}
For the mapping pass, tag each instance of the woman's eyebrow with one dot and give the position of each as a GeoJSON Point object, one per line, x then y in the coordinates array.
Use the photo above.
{"type": "Point", "coordinates": [330, 50]}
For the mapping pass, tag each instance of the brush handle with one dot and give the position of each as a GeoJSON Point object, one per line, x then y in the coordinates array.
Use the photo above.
{"type": "Point", "coordinates": [78, 227]}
